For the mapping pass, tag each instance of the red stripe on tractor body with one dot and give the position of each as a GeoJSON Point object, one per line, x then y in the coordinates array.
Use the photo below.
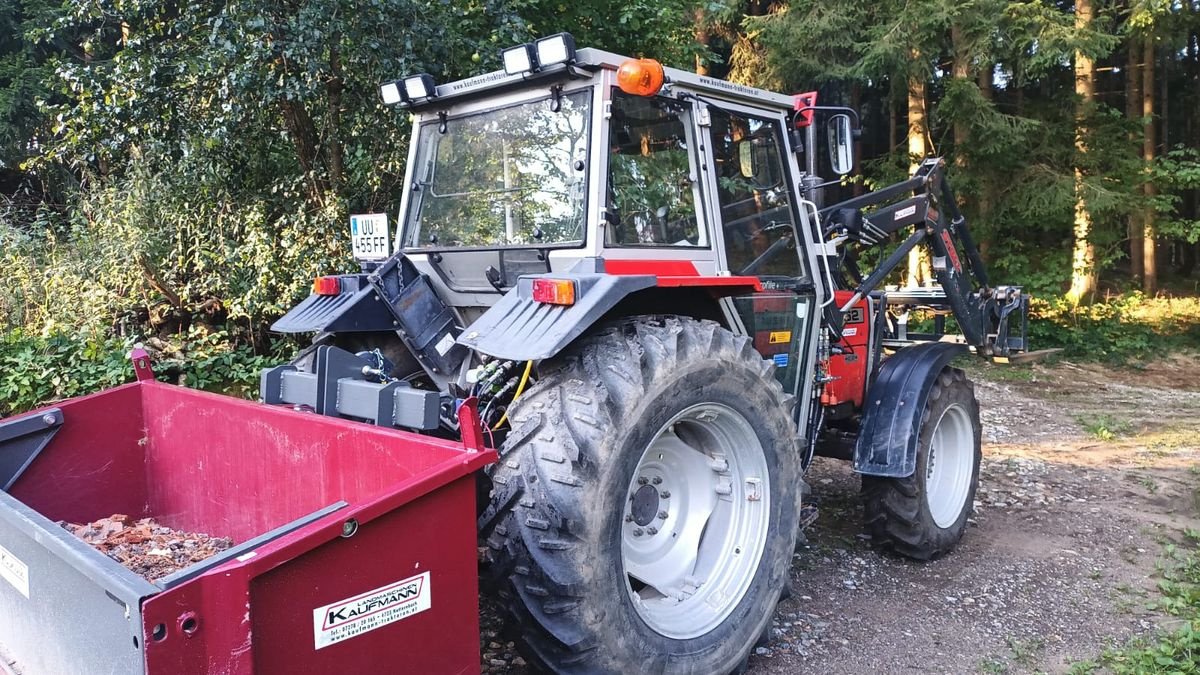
{"type": "Point", "coordinates": [676, 273]}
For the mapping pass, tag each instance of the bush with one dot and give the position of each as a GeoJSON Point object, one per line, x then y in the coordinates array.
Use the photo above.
{"type": "Point", "coordinates": [1130, 326]}
{"type": "Point", "coordinates": [36, 370]}
{"type": "Point", "coordinates": [154, 251]}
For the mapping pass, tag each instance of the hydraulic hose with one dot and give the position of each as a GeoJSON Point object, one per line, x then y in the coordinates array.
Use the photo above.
{"type": "Point", "coordinates": [520, 388]}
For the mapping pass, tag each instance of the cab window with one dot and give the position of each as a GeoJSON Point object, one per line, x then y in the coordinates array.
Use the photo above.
{"type": "Point", "coordinates": [651, 198]}
{"type": "Point", "coordinates": [754, 195]}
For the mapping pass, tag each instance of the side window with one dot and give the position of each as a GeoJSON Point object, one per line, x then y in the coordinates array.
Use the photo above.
{"type": "Point", "coordinates": [754, 196]}
{"type": "Point", "coordinates": [651, 197]}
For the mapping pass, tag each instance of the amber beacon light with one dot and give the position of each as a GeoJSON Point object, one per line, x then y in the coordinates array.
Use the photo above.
{"type": "Point", "coordinates": [640, 77]}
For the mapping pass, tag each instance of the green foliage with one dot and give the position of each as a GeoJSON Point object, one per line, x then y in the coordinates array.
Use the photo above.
{"type": "Point", "coordinates": [36, 370]}
{"type": "Point", "coordinates": [1104, 427]}
{"type": "Point", "coordinates": [1124, 328]}
{"type": "Point", "coordinates": [1175, 173]}
{"type": "Point", "coordinates": [214, 150]}
{"type": "Point", "coordinates": [1172, 651]}
{"type": "Point", "coordinates": [157, 249]}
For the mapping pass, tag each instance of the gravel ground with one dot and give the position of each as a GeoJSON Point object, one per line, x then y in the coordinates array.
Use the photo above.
{"type": "Point", "coordinates": [144, 546]}
{"type": "Point", "coordinates": [1087, 471]}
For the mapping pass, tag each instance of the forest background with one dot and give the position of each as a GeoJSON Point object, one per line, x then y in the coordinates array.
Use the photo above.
{"type": "Point", "coordinates": [176, 173]}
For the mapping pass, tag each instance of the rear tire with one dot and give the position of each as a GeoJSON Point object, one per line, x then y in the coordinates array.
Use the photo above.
{"type": "Point", "coordinates": [636, 411]}
{"type": "Point", "coordinates": [923, 516]}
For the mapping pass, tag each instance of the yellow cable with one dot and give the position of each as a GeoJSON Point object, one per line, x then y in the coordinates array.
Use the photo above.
{"type": "Point", "coordinates": [520, 388]}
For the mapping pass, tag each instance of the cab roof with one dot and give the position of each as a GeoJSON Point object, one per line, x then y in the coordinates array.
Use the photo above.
{"type": "Point", "coordinates": [589, 61]}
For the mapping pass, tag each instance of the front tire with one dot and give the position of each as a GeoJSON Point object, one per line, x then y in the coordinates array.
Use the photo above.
{"type": "Point", "coordinates": [647, 501]}
{"type": "Point", "coordinates": [923, 516]}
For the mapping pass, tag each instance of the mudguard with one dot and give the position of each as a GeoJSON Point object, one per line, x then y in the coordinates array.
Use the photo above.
{"type": "Point", "coordinates": [520, 329]}
{"type": "Point", "coordinates": [394, 297]}
{"type": "Point", "coordinates": [354, 310]}
{"type": "Point", "coordinates": [887, 439]}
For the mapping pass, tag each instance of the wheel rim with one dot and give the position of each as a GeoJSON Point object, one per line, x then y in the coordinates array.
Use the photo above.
{"type": "Point", "coordinates": [696, 515]}
{"type": "Point", "coordinates": [950, 466]}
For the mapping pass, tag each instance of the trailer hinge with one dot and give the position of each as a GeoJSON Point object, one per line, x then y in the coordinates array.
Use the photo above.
{"type": "Point", "coordinates": [21, 440]}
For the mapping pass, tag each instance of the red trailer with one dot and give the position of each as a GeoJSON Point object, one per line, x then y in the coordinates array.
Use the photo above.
{"type": "Point", "coordinates": [354, 545]}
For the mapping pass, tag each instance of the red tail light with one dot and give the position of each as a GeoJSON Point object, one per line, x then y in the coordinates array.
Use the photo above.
{"type": "Point", "coordinates": [327, 285]}
{"type": "Point", "coordinates": [554, 291]}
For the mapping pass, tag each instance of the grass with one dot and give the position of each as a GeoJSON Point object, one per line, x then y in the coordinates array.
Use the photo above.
{"type": "Point", "coordinates": [1103, 426]}
{"type": "Point", "coordinates": [1025, 652]}
{"type": "Point", "coordinates": [1021, 653]}
{"type": "Point", "coordinates": [1149, 483]}
{"type": "Point", "coordinates": [1176, 648]}
{"type": "Point", "coordinates": [1000, 372]}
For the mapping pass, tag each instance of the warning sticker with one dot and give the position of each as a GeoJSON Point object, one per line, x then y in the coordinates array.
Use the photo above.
{"type": "Point", "coordinates": [779, 337]}
{"type": "Point", "coordinates": [849, 332]}
{"type": "Point", "coordinates": [364, 613]}
{"type": "Point", "coordinates": [14, 571]}
{"type": "Point", "coordinates": [445, 344]}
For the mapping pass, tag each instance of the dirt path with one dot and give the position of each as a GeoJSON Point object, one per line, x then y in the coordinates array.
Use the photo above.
{"type": "Point", "coordinates": [1087, 471]}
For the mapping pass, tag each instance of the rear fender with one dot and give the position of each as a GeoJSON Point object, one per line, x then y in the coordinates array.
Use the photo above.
{"type": "Point", "coordinates": [355, 309]}
{"type": "Point", "coordinates": [519, 329]}
{"type": "Point", "coordinates": [891, 424]}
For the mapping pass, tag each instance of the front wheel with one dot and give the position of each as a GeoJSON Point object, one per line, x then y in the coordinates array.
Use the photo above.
{"type": "Point", "coordinates": [924, 515]}
{"type": "Point", "coordinates": [652, 484]}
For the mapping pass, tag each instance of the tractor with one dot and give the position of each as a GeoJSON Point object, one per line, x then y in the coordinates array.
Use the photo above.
{"type": "Point", "coordinates": [635, 271]}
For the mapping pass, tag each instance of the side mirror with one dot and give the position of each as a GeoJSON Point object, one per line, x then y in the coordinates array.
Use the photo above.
{"type": "Point", "coordinates": [758, 161]}
{"type": "Point", "coordinates": [746, 159]}
{"type": "Point", "coordinates": [841, 144]}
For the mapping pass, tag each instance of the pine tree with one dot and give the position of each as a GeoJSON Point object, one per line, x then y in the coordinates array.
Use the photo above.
{"type": "Point", "coordinates": [1083, 258]}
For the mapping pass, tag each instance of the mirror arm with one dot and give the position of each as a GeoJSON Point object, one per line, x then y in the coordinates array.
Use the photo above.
{"type": "Point", "coordinates": [829, 108]}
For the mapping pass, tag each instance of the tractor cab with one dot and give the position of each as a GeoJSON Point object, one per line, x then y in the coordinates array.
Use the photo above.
{"type": "Point", "coordinates": [570, 155]}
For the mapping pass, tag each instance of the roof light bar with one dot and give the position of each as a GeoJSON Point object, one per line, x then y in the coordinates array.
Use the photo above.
{"type": "Point", "coordinates": [554, 50]}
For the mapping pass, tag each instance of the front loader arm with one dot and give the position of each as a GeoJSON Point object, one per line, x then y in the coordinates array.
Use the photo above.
{"type": "Point", "coordinates": [981, 311]}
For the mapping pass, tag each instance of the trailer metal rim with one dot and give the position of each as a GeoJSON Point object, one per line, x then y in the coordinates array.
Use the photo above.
{"type": "Point", "coordinates": [695, 523]}
{"type": "Point", "coordinates": [950, 466]}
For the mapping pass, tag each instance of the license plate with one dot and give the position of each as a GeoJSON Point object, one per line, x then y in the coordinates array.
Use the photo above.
{"type": "Point", "coordinates": [369, 236]}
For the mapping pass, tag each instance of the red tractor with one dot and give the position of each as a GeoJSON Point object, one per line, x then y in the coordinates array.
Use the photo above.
{"type": "Point", "coordinates": [634, 271]}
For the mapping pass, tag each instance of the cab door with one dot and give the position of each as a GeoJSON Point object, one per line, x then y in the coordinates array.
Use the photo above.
{"type": "Point", "coordinates": [751, 188]}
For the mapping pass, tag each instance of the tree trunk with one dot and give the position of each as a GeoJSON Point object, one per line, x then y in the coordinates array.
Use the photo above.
{"type": "Point", "coordinates": [1133, 110]}
{"type": "Point", "coordinates": [893, 120]}
{"type": "Point", "coordinates": [961, 70]}
{"type": "Point", "coordinates": [304, 139]}
{"type": "Point", "coordinates": [918, 259]}
{"type": "Point", "coordinates": [986, 195]}
{"type": "Point", "coordinates": [1083, 256]}
{"type": "Point", "coordinates": [333, 138]}
{"type": "Point", "coordinates": [1149, 259]}
{"type": "Point", "coordinates": [700, 30]}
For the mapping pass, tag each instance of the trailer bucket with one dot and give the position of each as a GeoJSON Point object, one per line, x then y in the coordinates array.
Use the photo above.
{"type": "Point", "coordinates": [354, 545]}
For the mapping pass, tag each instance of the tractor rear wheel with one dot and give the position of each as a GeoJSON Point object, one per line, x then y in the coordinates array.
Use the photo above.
{"type": "Point", "coordinates": [924, 515]}
{"type": "Point", "coordinates": [646, 502]}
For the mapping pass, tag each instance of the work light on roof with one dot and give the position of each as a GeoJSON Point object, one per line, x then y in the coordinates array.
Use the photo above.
{"type": "Point", "coordinates": [555, 49]}
{"type": "Point", "coordinates": [518, 59]}
{"type": "Point", "coordinates": [390, 92]}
